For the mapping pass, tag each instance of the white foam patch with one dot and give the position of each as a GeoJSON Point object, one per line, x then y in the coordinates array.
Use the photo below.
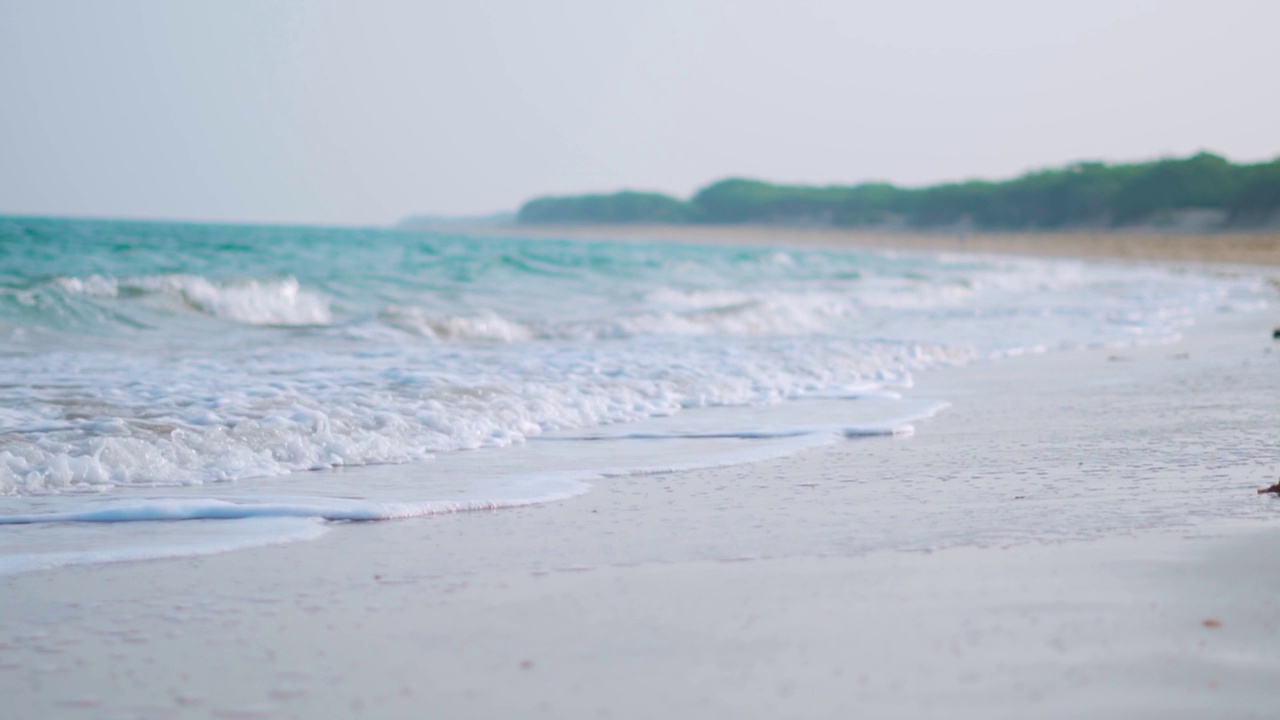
{"type": "Point", "coordinates": [719, 313]}
{"type": "Point", "coordinates": [896, 425]}
{"type": "Point", "coordinates": [280, 302]}
{"type": "Point", "coordinates": [516, 491]}
{"type": "Point", "coordinates": [159, 422]}
{"type": "Point", "coordinates": [220, 524]}
{"type": "Point", "coordinates": [486, 326]}
{"type": "Point", "coordinates": [94, 285]}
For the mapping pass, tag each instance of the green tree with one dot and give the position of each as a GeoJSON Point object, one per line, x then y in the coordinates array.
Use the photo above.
{"type": "Point", "coordinates": [1200, 181]}
{"type": "Point", "coordinates": [1087, 194]}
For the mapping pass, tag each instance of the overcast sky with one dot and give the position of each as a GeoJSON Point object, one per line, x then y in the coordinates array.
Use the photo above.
{"type": "Point", "coordinates": [365, 112]}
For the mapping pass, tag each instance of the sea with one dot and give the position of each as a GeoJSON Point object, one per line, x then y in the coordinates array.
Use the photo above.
{"type": "Point", "coordinates": [177, 389]}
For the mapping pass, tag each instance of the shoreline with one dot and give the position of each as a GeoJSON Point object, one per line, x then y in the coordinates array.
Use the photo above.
{"type": "Point", "coordinates": [759, 589]}
{"type": "Point", "coordinates": [1260, 248]}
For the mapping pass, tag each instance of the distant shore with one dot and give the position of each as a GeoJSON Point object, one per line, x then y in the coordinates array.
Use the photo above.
{"type": "Point", "coordinates": [1260, 248]}
{"type": "Point", "coordinates": [1200, 193]}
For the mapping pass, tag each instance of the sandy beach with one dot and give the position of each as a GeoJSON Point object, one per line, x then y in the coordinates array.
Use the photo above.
{"type": "Point", "coordinates": [639, 360]}
{"type": "Point", "coordinates": [1262, 248]}
{"type": "Point", "coordinates": [761, 590]}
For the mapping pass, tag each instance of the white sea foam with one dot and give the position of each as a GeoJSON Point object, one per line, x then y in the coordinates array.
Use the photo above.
{"type": "Point", "coordinates": [483, 326]}
{"type": "Point", "coordinates": [668, 445]}
{"type": "Point", "coordinates": [165, 423]}
{"type": "Point", "coordinates": [94, 285]}
{"type": "Point", "coordinates": [253, 302]}
{"type": "Point", "coordinates": [264, 517]}
{"type": "Point", "coordinates": [730, 313]}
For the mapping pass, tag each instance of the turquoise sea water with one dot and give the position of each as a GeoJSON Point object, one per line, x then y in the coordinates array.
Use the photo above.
{"type": "Point", "coordinates": [154, 371]}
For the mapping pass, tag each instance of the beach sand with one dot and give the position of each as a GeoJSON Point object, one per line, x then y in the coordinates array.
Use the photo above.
{"type": "Point", "coordinates": [762, 590]}
{"type": "Point", "coordinates": [1262, 248]}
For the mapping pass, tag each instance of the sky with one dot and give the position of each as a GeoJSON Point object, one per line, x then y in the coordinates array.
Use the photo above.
{"type": "Point", "coordinates": [362, 113]}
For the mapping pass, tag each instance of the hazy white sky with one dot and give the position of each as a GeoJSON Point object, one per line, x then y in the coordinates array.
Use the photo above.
{"type": "Point", "coordinates": [364, 112]}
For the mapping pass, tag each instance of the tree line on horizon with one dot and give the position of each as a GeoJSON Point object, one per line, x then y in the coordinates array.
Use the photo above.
{"type": "Point", "coordinates": [1081, 195]}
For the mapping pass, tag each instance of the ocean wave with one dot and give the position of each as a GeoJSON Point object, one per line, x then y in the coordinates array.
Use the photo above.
{"type": "Point", "coordinates": [156, 422]}
{"type": "Point", "coordinates": [484, 326]}
{"type": "Point", "coordinates": [132, 374]}
{"type": "Point", "coordinates": [280, 301]}
{"type": "Point", "coordinates": [728, 314]}
{"type": "Point", "coordinates": [760, 316]}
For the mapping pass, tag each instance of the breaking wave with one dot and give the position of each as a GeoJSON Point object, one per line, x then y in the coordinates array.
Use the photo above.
{"type": "Point", "coordinates": [252, 302]}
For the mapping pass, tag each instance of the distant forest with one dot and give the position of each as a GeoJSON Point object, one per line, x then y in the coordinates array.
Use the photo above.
{"type": "Point", "coordinates": [1203, 191]}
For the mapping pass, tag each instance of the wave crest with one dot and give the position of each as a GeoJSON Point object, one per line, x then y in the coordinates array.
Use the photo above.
{"type": "Point", "coordinates": [251, 302]}
{"type": "Point", "coordinates": [483, 326]}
